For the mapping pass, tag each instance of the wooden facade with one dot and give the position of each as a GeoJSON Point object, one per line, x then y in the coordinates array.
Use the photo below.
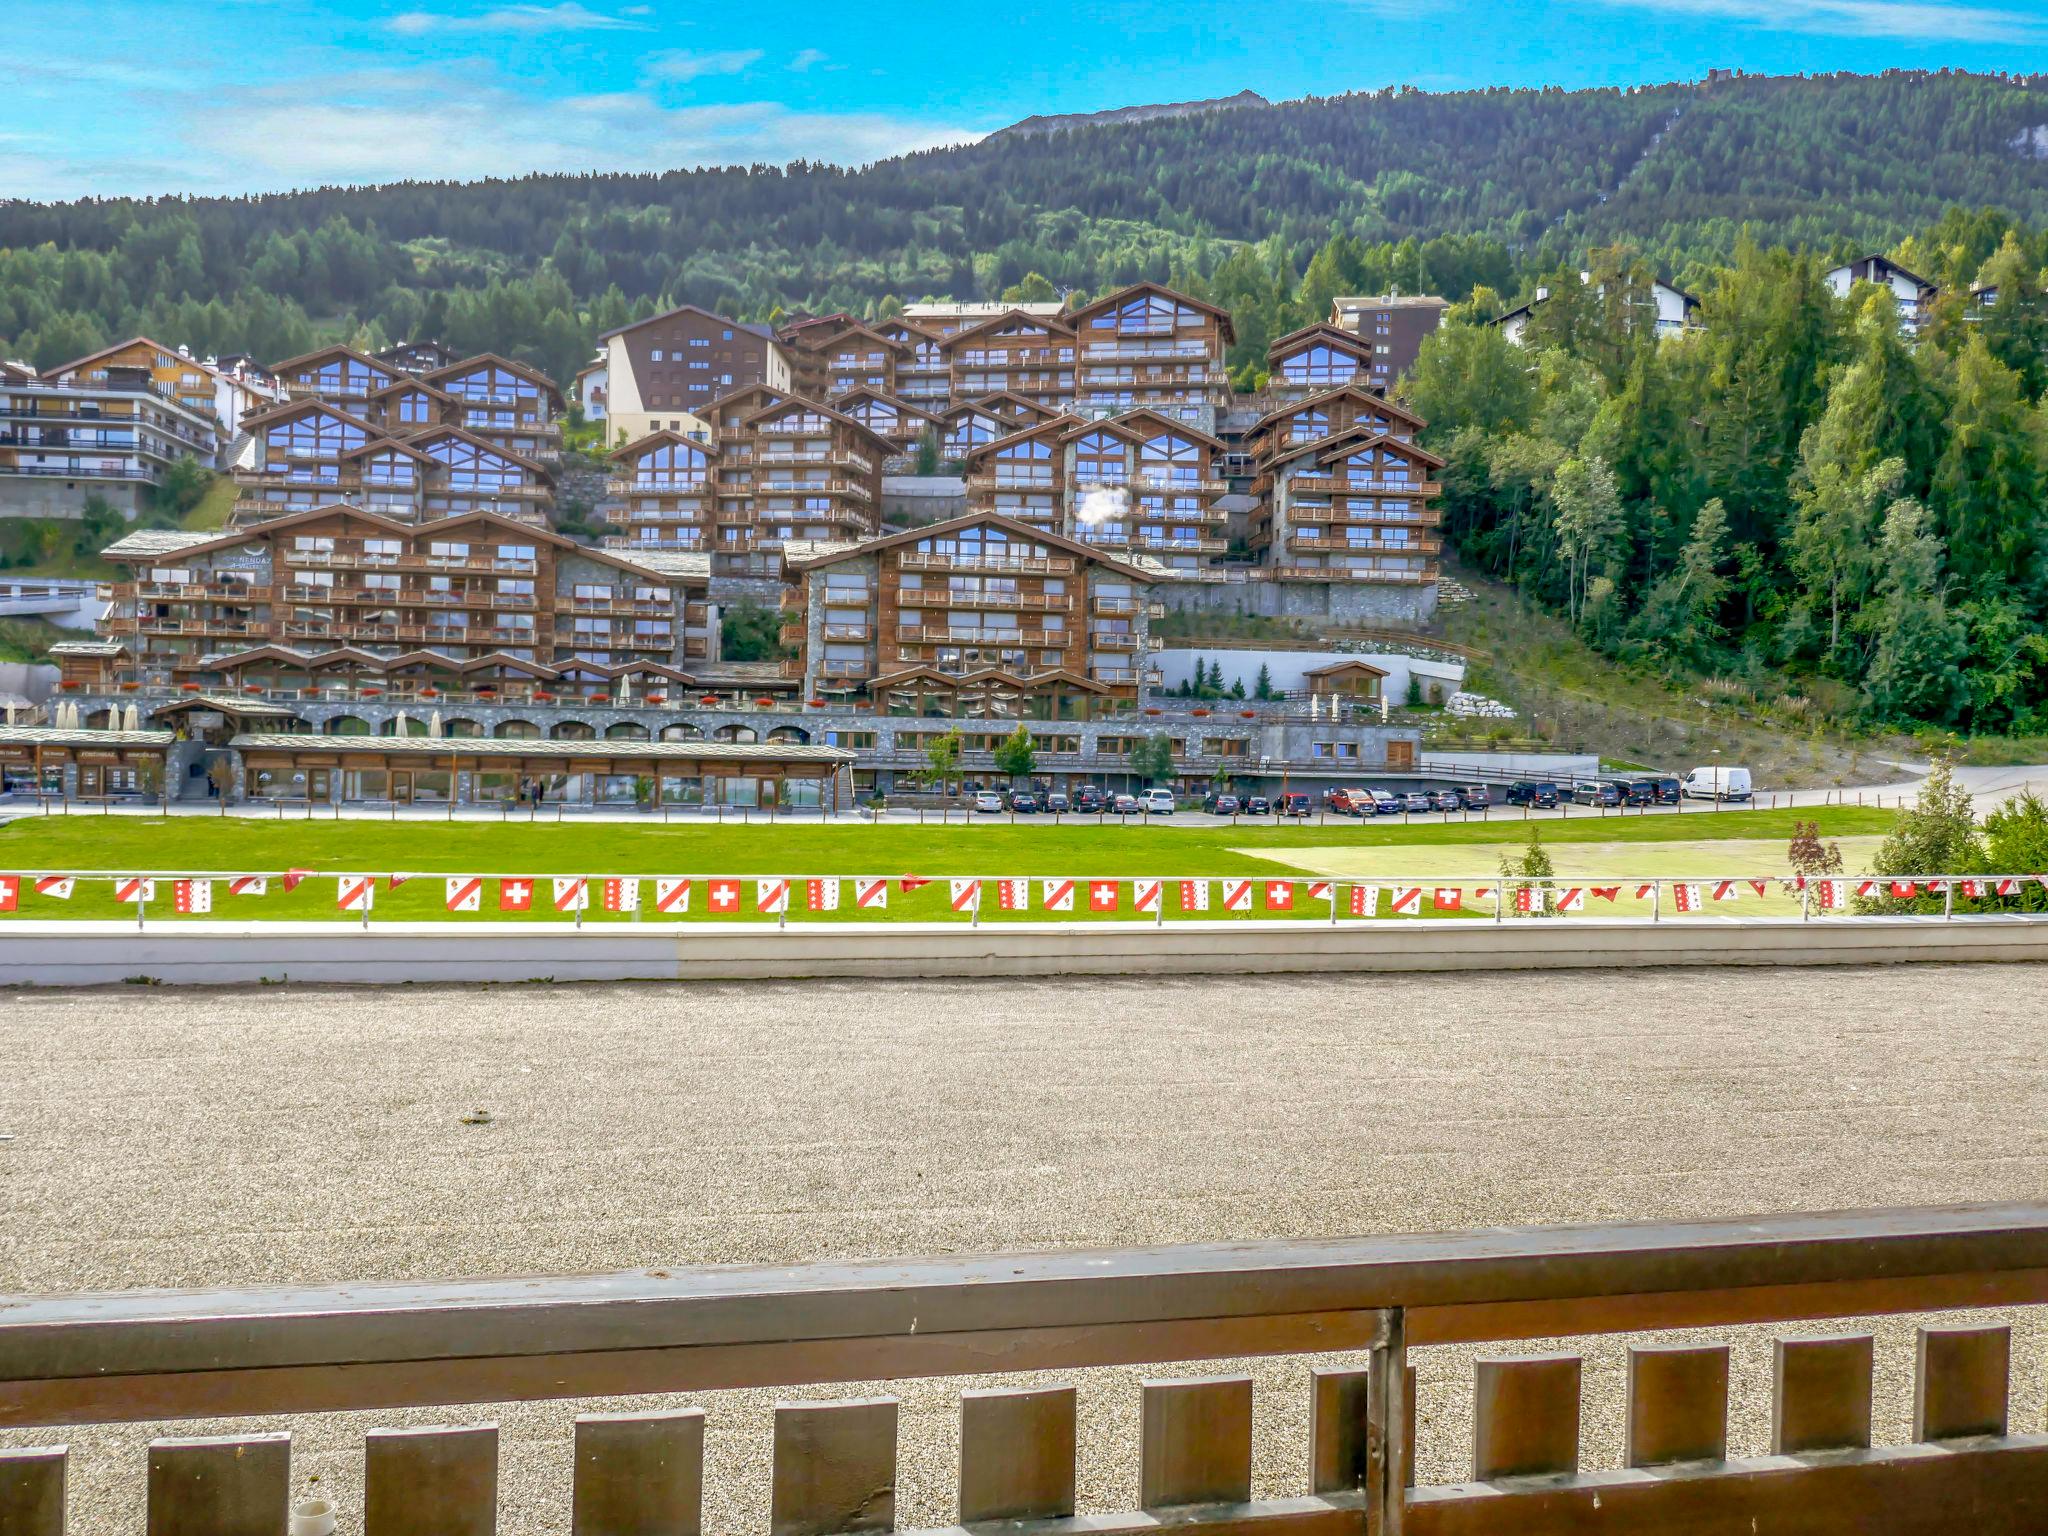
{"type": "Point", "coordinates": [1315, 360]}
{"type": "Point", "coordinates": [338, 375]}
{"type": "Point", "coordinates": [1016, 353]}
{"type": "Point", "coordinates": [923, 375]}
{"type": "Point", "coordinates": [791, 470]}
{"type": "Point", "coordinates": [664, 492]}
{"type": "Point", "coordinates": [1149, 347]}
{"type": "Point", "coordinates": [670, 370]}
{"type": "Point", "coordinates": [1352, 506]}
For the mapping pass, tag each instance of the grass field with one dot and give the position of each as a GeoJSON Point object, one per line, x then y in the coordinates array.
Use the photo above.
{"type": "Point", "coordinates": [1726, 842]}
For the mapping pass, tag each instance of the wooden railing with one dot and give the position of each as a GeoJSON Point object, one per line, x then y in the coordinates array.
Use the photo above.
{"type": "Point", "coordinates": [148, 1356]}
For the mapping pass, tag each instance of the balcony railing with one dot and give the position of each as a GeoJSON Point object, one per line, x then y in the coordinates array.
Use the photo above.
{"type": "Point", "coordinates": [1054, 565]}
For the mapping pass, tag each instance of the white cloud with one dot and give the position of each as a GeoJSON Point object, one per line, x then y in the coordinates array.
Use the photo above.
{"type": "Point", "coordinates": [1932, 21]}
{"type": "Point", "coordinates": [677, 65]}
{"type": "Point", "coordinates": [432, 123]}
{"type": "Point", "coordinates": [807, 58]}
{"type": "Point", "coordinates": [567, 16]}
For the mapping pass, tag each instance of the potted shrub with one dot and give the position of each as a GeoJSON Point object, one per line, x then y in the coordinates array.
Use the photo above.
{"type": "Point", "coordinates": [815, 703]}
{"type": "Point", "coordinates": [543, 695]}
{"type": "Point", "coordinates": [373, 693]}
{"type": "Point", "coordinates": [430, 693]}
{"type": "Point", "coordinates": [1247, 714]}
{"type": "Point", "coordinates": [1199, 714]}
{"type": "Point", "coordinates": [130, 687]}
{"type": "Point", "coordinates": [1150, 710]}
{"type": "Point", "coordinates": [764, 702]}
{"type": "Point", "coordinates": [182, 687]}
{"type": "Point", "coordinates": [657, 698]}
{"type": "Point", "coordinates": [708, 700]}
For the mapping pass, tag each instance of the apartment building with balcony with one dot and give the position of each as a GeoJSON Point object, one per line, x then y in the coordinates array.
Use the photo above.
{"type": "Point", "coordinates": [904, 424]}
{"type": "Point", "coordinates": [337, 594]}
{"type": "Point", "coordinates": [1023, 476]}
{"type": "Point", "coordinates": [667, 371]}
{"type": "Point", "coordinates": [1353, 506]}
{"type": "Point", "coordinates": [832, 359]}
{"type": "Point", "coordinates": [505, 403]}
{"type": "Point", "coordinates": [923, 377]}
{"type": "Point", "coordinates": [1315, 360]}
{"type": "Point", "coordinates": [977, 616]}
{"type": "Point", "coordinates": [1148, 347]}
{"type": "Point", "coordinates": [1320, 416]}
{"type": "Point", "coordinates": [227, 390]}
{"type": "Point", "coordinates": [663, 489]}
{"type": "Point", "coordinates": [311, 454]}
{"type": "Point", "coordinates": [338, 375]}
{"type": "Point", "coordinates": [789, 469]}
{"type": "Point", "coordinates": [417, 357]}
{"type": "Point", "coordinates": [949, 317]}
{"type": "Point", "coordinates": [106, 430]}
{"type": "Point", "coordinates": [1018, 353]}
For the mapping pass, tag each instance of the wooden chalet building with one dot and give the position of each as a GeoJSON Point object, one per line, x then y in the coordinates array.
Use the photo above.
{"type": "Point", "coordinates": [664, 487]}
{"type": "Point", "coordinates": [341, 376]}
{"type": "Point", "coordinates": [1318, 416]}
{"type": "Point", "coordinates": [903, 424]}
{"type": "Point", "coordinates": [1023, 476]}
{"type": "Point", "coordinates": [923, 376]}
{"type": "Point", "coordinates": [789, 468]}
{"type": "Point", "coordinates": [669, 370]}
{"type": "Point", "coordinates": [505, 403]}
{"type": "Point", "coordinates": [980, 615]}
{"type": "Point", "coordinates": [1149, 347]}
{"type": "Point", "coordinates": [1031, 356]}
{"type": "Point", "coordinates": [834, 357]}
{"type": "Point", "coordinates": [1314, 360]}
{"type": "Point", "coordinates": [1351, 506]}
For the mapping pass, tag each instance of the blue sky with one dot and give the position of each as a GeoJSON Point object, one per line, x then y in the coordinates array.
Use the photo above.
{"type": "Point", "coordinates": [103, 97]}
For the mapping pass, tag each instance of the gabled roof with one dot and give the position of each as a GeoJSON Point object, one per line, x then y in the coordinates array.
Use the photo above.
{"type": "Point", "coordinates": [1111, 301]}
{"type": "Point", "coordinates": [1343, 444]}
{"type": "Point", "coordinates": [320, 354]}
{"type": "Point", "coordinates": [1876, 260]}
{"type": "Point", "coordinates": [1051, 324]}
{"type": "Point", "coordinates": [495, 360]}
{"type": "Point", "coordinates": [898, 322]}
{"type": "Point", "coordinates": [406, 381]}
{"type": "Point", "coordinates": [292, 408]}
{"type": "Point", "coordinates": [856, 329]}
{"type": "Point", "coordinates": [761, 331]}
{"type": "Point", "coordinates": [726, 404]}
{"type": "Point", "coordinates": [1053, 430]}
{"type": "Point", "coordinates": [641, 445]}
{"type": "Point", "coordinates": [390, 445]}
{"type": "Point", "coordinates": [1023, 531]}
{"type": "Point", "coordinates": [447, 429]}
{"type": "Point", "coordinates": [154, 543]}
{"type": "Point", "coordinates": [882, 397]}
{"type": "Point", "coordinates": [121, 346]}
{"type": "Point", "coordinates": [1358, 391]}
{"type": "Point", "coordinates": [1006, 402]}
{"type": "Point", "coordinates": [1323, 331]}
{"type": "Point", "coordinates": [985, 675]}
{"type": "Point", "coordinates": [798, 402]}
{"type": "Point", "coordinates": [1131, 424]}
{"type": "Point", "coordinates": [971, 408]}
{"type": "Point", "coordinates": [1347, 664]}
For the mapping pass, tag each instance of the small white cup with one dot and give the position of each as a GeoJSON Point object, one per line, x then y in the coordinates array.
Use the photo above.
{"type": "Point", "coordinates": [312, 1517]}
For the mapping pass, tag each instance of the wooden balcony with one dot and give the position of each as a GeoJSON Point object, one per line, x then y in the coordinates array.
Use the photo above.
{"type": "Point", "coordinates": [1048, 565]}
{"type": "Point", "coordinates": [1340, 485]}
{"type": "Point", "coordinates": [1310, 541]}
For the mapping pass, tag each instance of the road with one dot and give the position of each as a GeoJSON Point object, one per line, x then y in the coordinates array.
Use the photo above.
{"type": "Point", "coordinates": [281, 1135]}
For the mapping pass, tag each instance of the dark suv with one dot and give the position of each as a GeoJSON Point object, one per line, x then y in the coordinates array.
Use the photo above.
{"type": "Point", "coordinates": [1641, 792]}
{"type": "Point", "coordinates": [1596, 792]}
{"type": "Point", "coordinates": [1474, 797]}
{"type": "Point", "coordinates": [1540, 793]}
{"type": "Point", "coordinates": [1087, 801]}
{"type": "Point", "coordinates": [1294, 805]}
{"type": "Point", "coordinates": [1667, 791]}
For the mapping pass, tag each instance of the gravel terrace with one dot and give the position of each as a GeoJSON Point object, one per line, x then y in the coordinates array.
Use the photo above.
{"type": "Point", "coordinates": [187, 1139]}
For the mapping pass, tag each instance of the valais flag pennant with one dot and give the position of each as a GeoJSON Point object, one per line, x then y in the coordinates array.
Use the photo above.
{"type": "Point", "coordinates": [572, 893]}
{"type": "Point", "coordinates": [515, 895]}
{"type": "Point", "coordinates": [622, 895]}
{"type": "Point", "coordinates": [822, 894]}
{"type": "Point", "coordinates": [871, 890]}
{"type": "Point", "coordinates": [1834, 895]}
{"type": "Point", "coordinates": [193, 896]}
{"type": "Point", "coordinates": [671, 893]}
{"type": "Point", "coordinates": [1237, 895]}
{"type": "Point", "coordinates": [56, 887]}
{"type": "Point", "coordinates": [1013, 895]}
{"type": "Point", "coordinates": [1529, 899]}
{"type": "Point", "coordinates": [463, 893]}
{"type": "Point", "coordinates": [134, 888]}
{"type": "Point", "coordinates": [966, 895]}
{"type": "Point", "coordinates": [1194, 895]}
{"type": "Point", "coordinates": [1279, 895]}
{"type": "Point", "coordinates": [1408, 900]}
{"type": "Point", "coordinates": [771, 895]}
{"type": "Point", "coordinates": [1974, 889]}
{"type": "Point", "coordinates": [1056, 895]}
{"type": "Point", "coordinates": [1448, 898]}
{"type": "Point", "coordinates": [1686, 898]}
{"type": "Point", "coordinates": [1145, 895]}
{"type": "Point", "coordinates": [1572, 900]}
{"type": "Point", "coordinates": [249, 885]}
{"type": "Point", "coordinates": [1365, 901]}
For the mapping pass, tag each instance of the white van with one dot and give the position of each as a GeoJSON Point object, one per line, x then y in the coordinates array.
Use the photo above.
{"type": "Point", "coordinates": [1156, 802]}
{"type": "Point", "coordinates": [1716, 784]}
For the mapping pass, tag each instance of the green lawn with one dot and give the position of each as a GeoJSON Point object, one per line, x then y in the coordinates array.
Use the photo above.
{"type": "Point", "coordinates": [212, 509]}
{"type": "Point", "coordinates": [116, 844]}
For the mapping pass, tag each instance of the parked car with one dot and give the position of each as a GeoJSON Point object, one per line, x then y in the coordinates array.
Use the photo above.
{"type": "Point", "coordinates": [1416, 800]}
{"type": "Point", "coordinates": [1024, 804]}
{"type": "Point", "coordinates": [1088, 800]}
{"type": "Point", "coordinates": [1540, 793]}
{"type": "Point", "coordinates": [987, 802]}
{"type": "Point", "coordinates": [1446, 800]}
{"type": "Point", "coordinates": [1221, 805]}
{"type": "Point", "coordinates": [1384, 803]}
{"type": "Point", "coordinates": [1717, 783]}
{"type": "Point", "coordinates": [1259, 805]}
{"type": "Point", "coordinates": [1669, 791]}
{"type": "Point", "coordinates": [1157, 802]}
{"type": "Point", "coordinates": [1124, 805]}
{"type": "Point", "coordinates": [1296, 805]}
{"type": "Point", "coordinates": [1602, 792]}
{"type": "Point", "coordinates": [1344, 802]}
{"type": "Point", "coordinates": [1057, 803]}
{"type": "Point", "coordinates": [1474, 797]}
{"type": "Point", "coordinates": [1641, 792]}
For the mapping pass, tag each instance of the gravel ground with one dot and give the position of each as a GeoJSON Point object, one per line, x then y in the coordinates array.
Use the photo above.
{"type": "Point", "coordinates": [183, 1139]}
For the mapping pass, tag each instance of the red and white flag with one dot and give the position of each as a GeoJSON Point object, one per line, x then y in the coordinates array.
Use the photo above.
{"type": "Point", "coordinates": [1572, 899]}
{"type": "Point", "coordinates": [1322, 890]}
{"type": "Point", "coordinates": [1529, 899]}
{"type": "Point", "coordinates": [1056, 895]}
{"type": "Point", "coordinates": [1905, 890]}
{"type": "Point", "coordinates": [1645, 891]}
{"type": "Point", "coordinates": [10, 892]}
{"type": "Point", "coordinates": [1834, 895]}
{"type": "Point", "coordinates": [572, 893]}
{"type": "Point", "coordinates": [1723, 890]}
{"type": "Point", "coordinates": [463, 893]}
{"type": "Point", "coordinates": [56, 887]}
{"type": "Point", "coordinates": [822, 894]}
{"type": "Point", "coordinates": [1365, 901]}
{"type": "Point", "coordinates": [966, 895]}
{"type": "Point", "coordinates": [671, 893]}
{"type": "Point", "coordinates": [1408, 900]}
{"type": "Point", "coordinates": [1102, 896]}
{"type": "Point", "coordinates": [771, 894]}
{"type": "Point", "coordinates": [2008, 887]}
{"type": "Point", "coordinates": [1758, 886]}
{"type": "Point", "coordinates": [393, 881]}
{"type": "Point", "coordinates": [1013, 895]}
{"type": "Point", "coordinates": [911, 883]}
{"type": "Point", "coordinates": [1607, 892]}
{"type": "Point", "coordinates": [1145, 895]}
{"type": "Point", "coordinates": [134, 888]}
{"type": "Point", "coordinates": [1279, 895]}
{"type": "Point", "coordinates": [355, 893]}
{"type": "Point", "coordinates": [1194, 895]}
{"type": "Point", "coordinates": [622, 895]}
{"type": "Point", "coordinates": [1937, 887]}
{"type": "Point", "coordinates": [1685, 898]}
{"type": "Point", "coordinates": [515, 895]}
{"type": "Point", "coordinates": [1974, 889]}
{"type": "Point", "coordinates": [249, 885]}
{"type": "Point", "coordinates": [292, 877]}
{"type": "Point", "coordinates": [1237, 895]}
{"type": "Point", "coordinates": [1866, 888]}
{"type": "Point", "coordinates": [192, 896]}
{"type": "Point", "coordinates": [871, 890]}
{"type": "Point", "coordinates": [1448, 898]}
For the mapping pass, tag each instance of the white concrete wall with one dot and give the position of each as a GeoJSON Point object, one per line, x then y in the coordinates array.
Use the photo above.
{"type": "Point", "coordinates": [1290, 669]}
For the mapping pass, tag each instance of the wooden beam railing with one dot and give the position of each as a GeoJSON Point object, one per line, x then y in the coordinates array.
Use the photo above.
{"type": "Point", "coordinates": [166, 1355]}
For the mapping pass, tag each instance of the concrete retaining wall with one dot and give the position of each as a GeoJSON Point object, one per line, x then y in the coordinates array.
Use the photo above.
{"type": "Point", "coordinates": [98, 954]}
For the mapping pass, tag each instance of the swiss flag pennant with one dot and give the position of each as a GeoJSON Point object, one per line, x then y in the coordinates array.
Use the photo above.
{"type": "Point", "coordinates": [56, 887]}
{"type": "Point", "coordinates": [1237, 895]}
{"type": "Point", "coordinates": [1607, 892]}
{"type": "Point", "coordinates": [10, 892]}
{"type": "Point", "coordinates": [621, 895]}
{"type": "Point", "coordinates": [1904, 890]}
{"type": "Point", "coordinates": [966, 895]}
{"type": "Point", "coordinates": [1194, 895]}
{"type": "Point", "coordinates": [1408, 900]}
{"type": "Point", "coordinates": [1572, 900]}
{"type": "Point", "coordinates": [1279, 895]}
{"type": "Point", "coordinates": [671, 893]}
{"type": "Point", "coordinates": [1365, 901]}
{"type": "Point", "coordinates": [1056, 895]}
{"type": "Point", "coordinates": [463, 893]}
{"type": "Point", "coordinates": [292, 877]}
{"type": "Point", "coordinates": [1013, 895]}
{"type": "Point", "coordinates": [515, 895]}
{"type": "Point", "coordinates": [1145, 895]}
{"type": "Point", "coordinates": [1448, 898]}
{"type": "Point", "coordinates": [193, 896]}
{"type": "Point", "coordinates": [1101, 895]}
{"type": "Point", "coordinates": [822, 895]}
{"type": "Point", "coordinates": [771, 895]}
{"type": "Point", "coordinates": [870, 891]}
{"type": "Point", "coordinates": [724, 896]}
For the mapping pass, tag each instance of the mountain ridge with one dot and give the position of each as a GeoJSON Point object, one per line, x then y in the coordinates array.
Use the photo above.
{"type": "Point", "coordinates": [1053, 122]}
